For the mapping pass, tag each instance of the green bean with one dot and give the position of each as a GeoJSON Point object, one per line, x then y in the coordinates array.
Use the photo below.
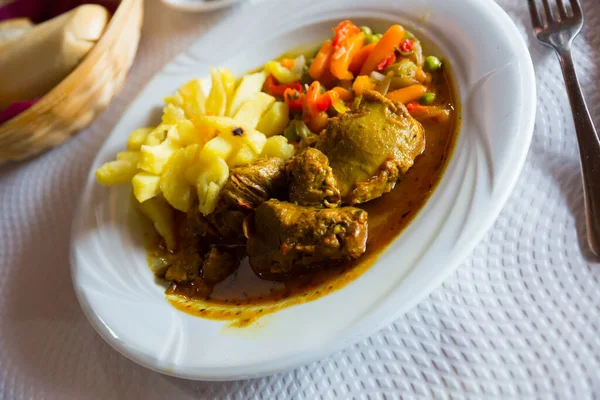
{"type": "Point", "coordinates": [402, 82]}
{"type": "Point", "coordinates": [384, 86]}
{"type": "Point", "coordinates": [406, 69]}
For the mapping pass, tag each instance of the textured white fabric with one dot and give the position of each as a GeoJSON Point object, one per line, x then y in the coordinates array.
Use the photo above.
{"type": "Point", "coordinates": [519, 318]}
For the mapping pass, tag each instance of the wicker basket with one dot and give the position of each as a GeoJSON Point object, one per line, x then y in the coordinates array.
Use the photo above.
{"type": "Point", "coordinates": [81, 96]}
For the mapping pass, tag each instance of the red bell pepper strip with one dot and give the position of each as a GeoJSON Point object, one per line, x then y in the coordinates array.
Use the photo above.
{"type": "Point", "coordinates": [343, 31]}
{"type": "Point", "coordinates": [386, 63]}
{"type": "Point", "coordinates": [277, 90]}
{"type": "Point", "coordinates": [294, 98]}
{"type": "Point", "coordinates": [317, 102]}
{"type": "Point", "coordinates": [407, 45]}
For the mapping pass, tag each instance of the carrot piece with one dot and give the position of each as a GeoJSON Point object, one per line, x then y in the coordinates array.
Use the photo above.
{"type": "Point", "coordinates": [359, 58]}
{"type": "Point", "coordinates": [288, 63]}
{"type": "Point", "coordinates": [340, 61]}
{"type": "Point", "coordinates": [435, 113]}
{"type": "Point", "coordinates": [407, 94]}
{"type": "Point", "coordinates": [383, 49]}
{"type": "Point", "coordinates": [361, 84]}
{"type": "Point", "coordinates": [312, 95]}
{"type": "Point", "coordinates": [322, 60]}
{"type": "Point", "coordinates": [343, 94]}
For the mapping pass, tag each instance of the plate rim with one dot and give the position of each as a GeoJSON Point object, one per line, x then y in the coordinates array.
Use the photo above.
{"type": "Point", "coordinates": [199, 6]}
{"type": "Point", "coordinates": [318, 352]}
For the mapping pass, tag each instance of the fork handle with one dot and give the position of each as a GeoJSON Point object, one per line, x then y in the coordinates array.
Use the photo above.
{"type": "Point", "coordinates": [589, 149]}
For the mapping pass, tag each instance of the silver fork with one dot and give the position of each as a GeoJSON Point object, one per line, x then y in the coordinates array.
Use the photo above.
{"type": "Point", "coordinates": [557, 27]}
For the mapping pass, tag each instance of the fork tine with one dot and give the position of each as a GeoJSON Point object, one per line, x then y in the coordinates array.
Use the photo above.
{"type": "Point", "coordinates": [562, 10]}
{"type": "Point", "coordinates": [548, 8]}
{"type": "Point", "coordinates": [576, 7]}
{"type": "Point", "coordinates": [535, 16]}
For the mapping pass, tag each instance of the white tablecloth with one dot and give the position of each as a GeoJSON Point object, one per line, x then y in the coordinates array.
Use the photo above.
{"type": "Point", "coordinates": [520, 317]}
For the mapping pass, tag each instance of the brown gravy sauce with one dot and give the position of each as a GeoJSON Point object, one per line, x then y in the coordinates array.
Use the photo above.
{"type": "Point", "coordinates": [244, 297]}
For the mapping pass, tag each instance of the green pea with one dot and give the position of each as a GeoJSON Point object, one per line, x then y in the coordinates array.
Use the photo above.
{"type": "Point", "coordinates": [432, 64]}
{"type": "Point", "coordinates": [427, 99]}
{"type": "Point", "coordinates": [376, 37]}
{"type": "Point", "coordinates": [290, 131]}
{"type": "Point", "coordinates": [366, 30]}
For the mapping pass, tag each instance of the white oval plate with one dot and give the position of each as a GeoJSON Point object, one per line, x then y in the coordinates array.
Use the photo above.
{"type": "Point", "coordinates": [200, 5]}
{"type": "Point", "coordinates": [496, 85]}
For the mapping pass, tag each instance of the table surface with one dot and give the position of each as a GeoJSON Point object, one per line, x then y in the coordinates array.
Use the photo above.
{"type": "Point", "coordinates": [520, 317]}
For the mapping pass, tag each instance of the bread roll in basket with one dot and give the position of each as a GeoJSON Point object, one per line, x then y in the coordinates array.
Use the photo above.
{"type": "Point", "coordinates": [82, 95]}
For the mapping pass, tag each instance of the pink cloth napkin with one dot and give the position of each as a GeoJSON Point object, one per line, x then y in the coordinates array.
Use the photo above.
{"type": "Point", "coordinates": [39, 11]}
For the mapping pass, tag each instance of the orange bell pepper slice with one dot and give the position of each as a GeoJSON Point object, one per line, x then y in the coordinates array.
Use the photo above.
{"type": "Point", "coordinates": [322, 60]}
{"type": "Point", "coordinates": [343, 31]}
{"type": "Point", "coordinates": [361, 84]}
{"type": "Point", "coordinates": [343, 55]}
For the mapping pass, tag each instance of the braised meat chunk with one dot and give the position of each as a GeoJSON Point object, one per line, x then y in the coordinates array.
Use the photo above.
{"type": "Point", "coordinates": [219, 264]}
{"type": "Point", "coordinates": [286, 239]}
{"type": "Point", "coordinates": [311, 179]}
{"type": "Point", "coordinates": [250, 185]}
{"type": "Point", "coordinates": [371, 146]}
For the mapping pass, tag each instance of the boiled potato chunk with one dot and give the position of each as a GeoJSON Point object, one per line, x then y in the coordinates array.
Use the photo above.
{"type": "Point", "coordinates": [211, 198]}
{"type": "Point", "coordinates": [249, 86]}
{"type": "Point", "coordinates": [175, 99]}
{"type": "Point", "coordinates": [162, 216]}
{"type": "Point", "coordinates": [173, 184]}
{"type": "Point", "coordinates": [253, 138]}
{"type": "Point", "coordinates": [133, 156]}
{"type": "Point", "coordinates": [184, 133]}
{"type": "Point", "coordinates": [244, 155]}
{"type": "Point", "coordinates": [157, 136]}
{"type": "Point", "coordinates": [216, 104]}
{"type": "Point", "coordinates": [278, 146]}
{"type": "Point", "coordinates": [145, 186]}
{"type": "Point", "coordinates": [213, 175]}
{"type": "Point", "coordinates": [193, 99]}
{"type": "Point", "coordinates": [172, 114]}
{"type": "Point", "coordinates": [275, 120]}
{"type": "Point", "coordinates": [154, 158]}
{"type": "Point", "coordinates": [137, 138]}
{"type": "Point", "coordinates": [252, 110]}
{"type": "Point", "coordinates": [116, 172]}
{"type": "Point", "coordinates": [233, 131]}
{"type": "Point", "coordinates": [228, 79]}
{"type": "Point", "coordinates": [188, 134]}
{"type": "Point", "coordinates": [217, 147]}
